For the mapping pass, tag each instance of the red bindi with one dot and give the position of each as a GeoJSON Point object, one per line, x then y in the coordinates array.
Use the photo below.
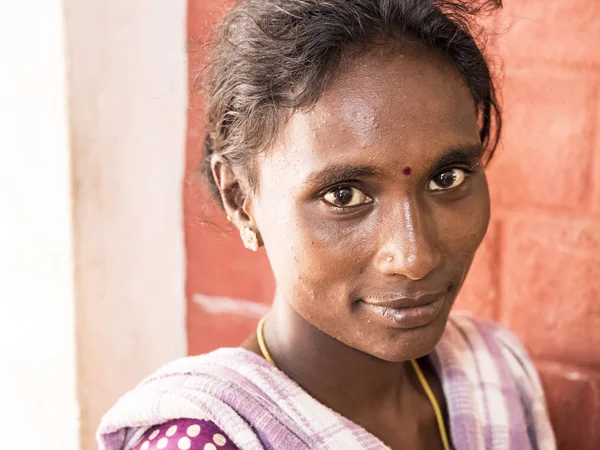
{"type": "Point", "coordinates": [407, 171]}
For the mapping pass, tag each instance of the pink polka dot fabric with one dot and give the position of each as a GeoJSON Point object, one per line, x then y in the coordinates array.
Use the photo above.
{"type": "Point", "coordinates": [185, 434]}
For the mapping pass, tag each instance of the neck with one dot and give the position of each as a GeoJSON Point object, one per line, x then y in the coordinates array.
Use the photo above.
{"type": "Point", "coordinates": [343, 378]}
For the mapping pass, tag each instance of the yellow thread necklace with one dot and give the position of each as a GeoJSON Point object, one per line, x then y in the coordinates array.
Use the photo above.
{"type": "Point", "coordinates": [436, 407]}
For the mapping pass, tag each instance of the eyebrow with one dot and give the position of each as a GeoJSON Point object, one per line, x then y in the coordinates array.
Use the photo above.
{"type": "Point", "coordinates": [337, 174]}
{"type": "Point", "coordinates": [463, 153]}
{"type": "Point", "coordinates": [334, 174]}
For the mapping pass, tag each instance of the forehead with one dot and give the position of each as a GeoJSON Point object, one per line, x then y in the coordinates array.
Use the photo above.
{"type": "Point", "coordinates": [403, 107]}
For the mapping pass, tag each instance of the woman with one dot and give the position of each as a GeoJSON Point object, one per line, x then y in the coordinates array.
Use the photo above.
{"type": "Point", "coordinates": [349, 138]}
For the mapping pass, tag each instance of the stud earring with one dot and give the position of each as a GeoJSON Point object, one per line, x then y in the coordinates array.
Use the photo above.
{"type": "Point", "coordinates": [389, 259]}
{"type": "Point", "coordinates": [249, 239]}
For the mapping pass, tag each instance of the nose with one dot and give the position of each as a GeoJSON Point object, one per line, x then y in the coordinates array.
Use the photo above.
{"type": "Point", "coordinates": [411, 245]}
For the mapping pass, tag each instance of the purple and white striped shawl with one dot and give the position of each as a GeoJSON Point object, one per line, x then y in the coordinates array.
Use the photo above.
{"type": "Point", "coordinates": [493, 393]}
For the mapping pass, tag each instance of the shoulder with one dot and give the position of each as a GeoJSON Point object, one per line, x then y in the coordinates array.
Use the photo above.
{"type": "Point", "coordinates": [183, 434]}
{"type": "Point", "coordinates": [490, 342]}
{"type": "Point", "coordinates": [473, 328]}
{"type": "Point", "coordinates": [223, 358]}
{"type": "Point", "coordinates": [494, 362]}
{"type": "Point", "coordinates": [200, 387]}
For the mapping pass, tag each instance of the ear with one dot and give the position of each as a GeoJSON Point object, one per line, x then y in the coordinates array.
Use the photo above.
{"type": "Point", "coordinates": [234, 191]}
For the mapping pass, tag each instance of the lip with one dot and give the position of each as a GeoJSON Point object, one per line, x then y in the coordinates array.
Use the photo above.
{"type": "Point", "coordinates": [406, 313]}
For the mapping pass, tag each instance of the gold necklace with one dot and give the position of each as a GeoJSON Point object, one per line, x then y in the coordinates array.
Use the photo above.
{"type": "Point", "coordinates": [424, 383]}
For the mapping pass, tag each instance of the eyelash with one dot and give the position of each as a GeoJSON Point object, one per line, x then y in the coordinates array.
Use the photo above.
{"type": "Point", "coordinates": [351, 184]}
{"type": "Point", "coordinates": [468, 169]}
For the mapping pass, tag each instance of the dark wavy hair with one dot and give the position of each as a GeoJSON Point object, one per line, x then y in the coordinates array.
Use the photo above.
{"type": "Point", "coordinates": [272, 57]}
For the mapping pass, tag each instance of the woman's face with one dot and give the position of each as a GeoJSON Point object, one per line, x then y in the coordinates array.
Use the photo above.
{"type": "Point", "coordinates": [372, 204]}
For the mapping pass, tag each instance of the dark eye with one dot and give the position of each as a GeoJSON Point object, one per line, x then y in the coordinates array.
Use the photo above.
{"type": "Point", "coordinates": [346, 196]}
{"type": "Point", "coordinates": [447, 180]}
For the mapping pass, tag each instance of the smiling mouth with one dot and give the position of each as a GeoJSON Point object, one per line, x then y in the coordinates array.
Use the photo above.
{"type": "Point", "coordinates": [407, 313]}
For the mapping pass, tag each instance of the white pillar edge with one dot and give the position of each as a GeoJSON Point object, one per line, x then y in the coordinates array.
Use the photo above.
{"type": "Point", "coordinates": [38, 378]}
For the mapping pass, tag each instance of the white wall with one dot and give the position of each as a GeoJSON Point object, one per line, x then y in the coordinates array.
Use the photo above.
{"type": "Point", "coordinates": [91, 237]}
{"type": "Point", "coordinates": [37, 346]}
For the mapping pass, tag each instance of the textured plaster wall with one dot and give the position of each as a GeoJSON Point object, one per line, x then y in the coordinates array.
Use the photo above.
{"type": "Point", "coordinates": [542, 255]}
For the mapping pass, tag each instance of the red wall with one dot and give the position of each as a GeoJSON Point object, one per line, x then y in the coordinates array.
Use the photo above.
{"type": "Point", "coordinates": [538, 271]}
{"type": "Point", "coordinates": [218, 265]}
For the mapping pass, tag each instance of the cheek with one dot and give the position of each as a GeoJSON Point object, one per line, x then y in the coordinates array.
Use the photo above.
{"type": "Point", "coordinates": [462, 225]}
{"type": "Point", "coordinates": [326, 254]}
{"type": "Point", "coordinates": [316, 262]}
